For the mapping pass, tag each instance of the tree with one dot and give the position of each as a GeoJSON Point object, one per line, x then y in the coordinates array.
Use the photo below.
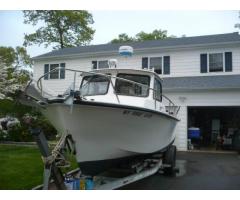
{"type": "Point", "coordinates": [123, 38]}
{"type": "Point", "coordinates": [237, 25]}
{"type": "Point", "coordinates": [142, 36]}
{"type": "Point", "coordinates": [65, 28]}
{"type": "Point", "coordinates": [7, 56]}
{"type": "Point", "coordinates": [155, 35]}
{"type": "Point", "coordinates": [15, 58]}
{"type": "Point", "coordinates": [13, 77]}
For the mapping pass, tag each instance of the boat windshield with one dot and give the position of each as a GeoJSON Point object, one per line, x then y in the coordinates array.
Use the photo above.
{"type": "Point", "coordinates": [130, 89]}
{"type": "Point", "coordinates": [94, 85]}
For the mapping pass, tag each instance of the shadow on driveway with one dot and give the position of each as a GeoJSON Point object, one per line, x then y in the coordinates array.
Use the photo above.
{"type": "Point", "coordinates": [198, 171]}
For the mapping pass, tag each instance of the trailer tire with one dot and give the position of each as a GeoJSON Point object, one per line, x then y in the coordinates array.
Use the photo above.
{"type": "Point", "coordinates": [170, 159]}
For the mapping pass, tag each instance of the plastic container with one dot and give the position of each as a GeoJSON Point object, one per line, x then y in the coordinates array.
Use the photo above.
{"type": "Point", "coordinates": [89, 185]}
{"type": "Point", "coordinates": [72, 184]}
{"type": "Point", "coordinates": [194, 133]}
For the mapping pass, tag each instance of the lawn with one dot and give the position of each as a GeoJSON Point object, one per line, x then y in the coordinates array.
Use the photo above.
{"type": "Point", "coordinates": [21, 167]}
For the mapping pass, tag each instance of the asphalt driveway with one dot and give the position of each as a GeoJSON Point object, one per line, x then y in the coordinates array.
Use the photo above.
{"type": "Point", "coordinates": [199, 171]}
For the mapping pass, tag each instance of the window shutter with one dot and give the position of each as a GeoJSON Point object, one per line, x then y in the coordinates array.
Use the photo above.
{"type": "Point", "coordinates": [46, 70]}
{"type": "Point", "coordinates": [145, 63]}
{"type": "Point", "coordinates": [94, 64]}
{"type": "Point", "coordinates": [203, 63]}
{"type": "Point", "coordinates": [228, 61]}
{"type": "Point", "coordinates": [62, 71]}
{"type": "Point", "coordinates": [166, 64]}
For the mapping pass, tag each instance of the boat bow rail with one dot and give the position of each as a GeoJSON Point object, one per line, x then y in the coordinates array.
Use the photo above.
{"type": "Point", "coordinates": [171, 108]}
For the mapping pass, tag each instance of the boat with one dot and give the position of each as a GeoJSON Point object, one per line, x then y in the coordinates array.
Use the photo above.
{"type": "Point", "coordinates": [113, 115]}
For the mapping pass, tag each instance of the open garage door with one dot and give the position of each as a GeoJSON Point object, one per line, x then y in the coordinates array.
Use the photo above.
{"type": "Point", "coordinates": [214, 128]}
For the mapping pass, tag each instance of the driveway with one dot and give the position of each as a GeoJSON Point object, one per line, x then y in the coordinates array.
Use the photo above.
{"type": "Point", "coordinates": [198, 171]}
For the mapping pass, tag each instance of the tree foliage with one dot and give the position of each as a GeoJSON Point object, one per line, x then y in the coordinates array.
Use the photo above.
{"type": "Point", "coordinates": [237, 25]}
{"type": "Point", "coordinates": [142, 36]}
{"type": "Point", "coordinates": [155, 35]}
{"type": "Point", "coordinates": [122, 38]}
{"type": "Point", "coordinates": [15, 58]}
{"type": "Point", "coordinates": [13, 76]}
{"type": "Point", "coordinates": [7, 56]}
{"type": "Point", "coordinates": [64, 28]}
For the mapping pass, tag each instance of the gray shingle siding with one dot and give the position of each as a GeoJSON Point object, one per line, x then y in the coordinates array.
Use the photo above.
{"type": "Point", "coordinates": [201, 82]}
{"type": "Point", "coordinates": [171, 42]}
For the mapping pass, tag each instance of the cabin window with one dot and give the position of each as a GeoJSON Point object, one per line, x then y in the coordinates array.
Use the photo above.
{"type": "Point", "coordinates": [161, 65]}
{"type": "Point", "coordinates": [157, 94]}
{"type": "Point", "coordinates": [94, 85]}
{"type": "Point", "coordinates": [102, 64]}
{"type": "Point", "coordinates": [57, 74]}
{"type": "Point", "coordinates": [131, 89]}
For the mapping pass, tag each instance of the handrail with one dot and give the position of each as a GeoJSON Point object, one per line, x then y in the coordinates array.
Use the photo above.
{"type": "Point", "coordinates": [171, 104]}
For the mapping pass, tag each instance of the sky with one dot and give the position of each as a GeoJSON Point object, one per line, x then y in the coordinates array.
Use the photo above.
{"type": "Point", "coordinates": [110, 23]}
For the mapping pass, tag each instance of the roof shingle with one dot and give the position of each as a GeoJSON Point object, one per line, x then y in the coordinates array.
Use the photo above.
{"type": "Point", "coordinates": [202, 82]}
{"type": "Point", "coordinates": [170, 42]}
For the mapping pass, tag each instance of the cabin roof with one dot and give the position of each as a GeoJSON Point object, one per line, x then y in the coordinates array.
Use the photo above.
{"type": "Point", "coordinates": [131, 71]}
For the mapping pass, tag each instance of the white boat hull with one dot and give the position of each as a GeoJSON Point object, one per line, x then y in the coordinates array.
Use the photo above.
{"type": "Point", "coordinates": [104, 132]}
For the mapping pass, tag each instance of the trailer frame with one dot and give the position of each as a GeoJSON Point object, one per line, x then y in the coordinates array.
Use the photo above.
{"type": "Point", "coordinates": [53, 174]}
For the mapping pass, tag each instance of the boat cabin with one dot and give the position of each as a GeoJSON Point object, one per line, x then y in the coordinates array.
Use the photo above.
{"type": "Point", "coordinates": [139, 88]}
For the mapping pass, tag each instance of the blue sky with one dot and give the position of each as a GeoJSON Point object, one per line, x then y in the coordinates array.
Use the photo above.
{"type": "Point", "coordinates": [108, 24]}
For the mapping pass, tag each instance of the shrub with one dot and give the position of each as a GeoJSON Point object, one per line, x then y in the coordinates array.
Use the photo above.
{"type": "Point", "coordinates": [21, 133]}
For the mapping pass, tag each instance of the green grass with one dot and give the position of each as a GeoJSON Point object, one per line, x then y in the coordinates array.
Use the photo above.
{"type": "Point", "coordinates": [21, 167]}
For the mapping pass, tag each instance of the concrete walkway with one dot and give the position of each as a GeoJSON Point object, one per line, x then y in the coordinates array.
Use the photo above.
{"type": "Point", "coordinates": [199, 171]}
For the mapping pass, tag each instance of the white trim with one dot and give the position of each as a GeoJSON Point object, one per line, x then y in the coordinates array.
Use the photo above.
{"type": "Point", "coordinates": [49, 69]}
{"type": "Point", "coordinates": [96, 60]}
{"type": "Point", "coordinates": [208, 67]}
{"type": "Point", "coordinates": [149, 57]}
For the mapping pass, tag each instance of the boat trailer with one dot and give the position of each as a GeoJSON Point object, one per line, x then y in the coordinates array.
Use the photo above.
{"type": "Point", "coordinates": [53, 178]}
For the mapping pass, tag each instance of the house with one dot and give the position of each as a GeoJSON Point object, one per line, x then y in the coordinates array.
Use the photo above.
{"type": "Point", "coordinates": [201, 74]}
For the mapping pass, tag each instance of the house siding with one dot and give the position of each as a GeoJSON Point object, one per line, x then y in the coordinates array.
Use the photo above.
{"type": "Point", "coordinates": [183, 63]}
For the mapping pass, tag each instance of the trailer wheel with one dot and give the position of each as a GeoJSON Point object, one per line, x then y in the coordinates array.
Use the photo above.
{"type": "Point", "coordinates": [170, 159]}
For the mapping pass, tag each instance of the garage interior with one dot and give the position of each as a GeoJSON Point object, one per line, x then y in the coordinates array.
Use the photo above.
{"type": "Point", "coordinates": [214, 128]}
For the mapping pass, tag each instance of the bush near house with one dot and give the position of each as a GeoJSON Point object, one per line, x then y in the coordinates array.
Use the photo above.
{"type": "Point", "coordinates": [21, 133]}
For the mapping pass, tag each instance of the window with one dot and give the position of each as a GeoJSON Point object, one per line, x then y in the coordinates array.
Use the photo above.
{"type": "Point", "coordinates": [156, 64]}
{"type": "Point", "coordinates": [161, 65]}
{"type": "Point", "coordinates": [215, 62]}
{"type": "Point", "coordinates": [145, 63]}
{"type": "Point", "coordinates": [157, 90]}
{"type": "Point", "coordinates": [103, 64]}
{"type": "Point", "coordinates": [56, 74]}
{"type": "Point", "coordinates": [130, 89]}
{"type": "Point", "coordinates": [94, 85]}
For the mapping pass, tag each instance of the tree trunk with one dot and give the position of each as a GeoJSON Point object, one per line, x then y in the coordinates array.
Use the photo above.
{"type": "Point", "coordinates": [61, 40]}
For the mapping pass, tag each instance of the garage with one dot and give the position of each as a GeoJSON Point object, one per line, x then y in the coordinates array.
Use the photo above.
{"type": "Point", "coordinates": [213, 127]}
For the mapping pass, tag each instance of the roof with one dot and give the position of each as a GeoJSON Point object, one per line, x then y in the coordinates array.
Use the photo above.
{"type": "Point", "coordinates": [202, 82]}
{"type": "Point", "coordinates": [165, 43]}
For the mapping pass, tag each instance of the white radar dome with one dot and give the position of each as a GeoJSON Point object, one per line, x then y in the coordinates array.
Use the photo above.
{"type": "Point", "coordinates": [125, 50]}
